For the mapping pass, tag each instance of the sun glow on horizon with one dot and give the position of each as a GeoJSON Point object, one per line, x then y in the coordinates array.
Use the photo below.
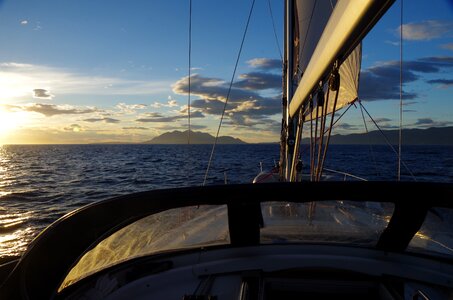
{"type": "Point", "coordinates": [10, 121]}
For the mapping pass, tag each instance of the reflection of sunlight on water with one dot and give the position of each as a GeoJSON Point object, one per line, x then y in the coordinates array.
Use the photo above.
{"type": "Point", "coordinates": [13, 238]}
{"type": "Point", "coordinates": [14, 244]}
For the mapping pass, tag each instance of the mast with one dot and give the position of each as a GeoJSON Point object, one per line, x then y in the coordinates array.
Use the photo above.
{"type": "Point", "coordinates": [287, 141]}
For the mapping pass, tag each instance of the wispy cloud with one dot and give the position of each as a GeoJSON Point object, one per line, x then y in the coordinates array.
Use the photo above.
{"type": "Point", "coordinates": [24, 22]}
{"type": "Point", "coordinates": [135, 128]}
{"type": "Point", "coordinates": [48, 110]}
{"type": "Point", "coordinates": [265, 63]}
{"type": "Point", "coordinates": [104, 120]}
{"type": "Point", "coordinates": [443, 83]}
{"type": "Point", "coordinates": [448, 46]}
{"type": "Point", "coordinates": [426, 30]}
{"type": "Point", "coordinates": [158, 118]}
{"type": "Point", "coordinates": [130, 108]}
{"type": "Point", "coordinates": [428, 122]}
{"type": "Point", "coordinates": [170, 103]}
{"type": "Point", "coordinates": [18, 80]}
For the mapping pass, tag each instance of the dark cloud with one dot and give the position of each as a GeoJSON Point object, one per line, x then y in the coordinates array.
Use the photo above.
{"type": "Point", "coordinates": [259, 81]}
{"type": "Point", "coordinates": [444, 83]}
{"type": "Point", "coordinates": [424, 121]}
{"type": "Point", "coordinates": [50, 110]}
{"type": "Point", "coordinates": [428, 122]}
{"type": "Point", "coordinates": [346, 126]}
{"type": "Point", "coordinates": [105, 120]}
{"type": "Point", "coordinates": [158, 118]}
{"type": "Point", "coordinates": [382, 82]}
{"type": "Point", "coordinates": [266, 63]}
{"type": "Point", "coordinates": [382, 120]}
{"type": "Point", "coordinates": [42, 94]}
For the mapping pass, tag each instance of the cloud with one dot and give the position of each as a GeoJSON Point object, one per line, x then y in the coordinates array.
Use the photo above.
{"type": "Point", "coordinates": [49, 110]}
{"type": "Point", "coordinates": [73, 128]}
{"type": "Point", "coordinates": [24, 22]}
{"type": "Point", "coordinates": [135, 128]}
{"type": "Point", "coordinates": [259, 81]}
{"type": "Point", "coordinates": [426, 30]}
{"type": "Point", "coordinates": [105, 120]}
{"type": "Point", "coordinates": [381, 82]}
{"type": "Point", "coordinates": [448, 46]}
{"type": "Point", "coordinates": [444, 83]}
{"type": "Point", "coordinates": [170, 103]}
{"type": "Point", "coordinates": [42, 94]}
{"type": "Point", "coordinates": [158, 118]}
{"type": "Point", "coordinates": [382, 120]}
{"type": "Point", "coordinates": [265, 63]}
{"type": "Point", "coordinates": [346, 126]}
{"type": "Point", "coordinates": [428, 122]}
{"type": "Point", "coordinates": [130, 108]}
{"type": "Point", "coordinates": [213, 93]}
{"type": "Point", "coordinates": [21, 79]}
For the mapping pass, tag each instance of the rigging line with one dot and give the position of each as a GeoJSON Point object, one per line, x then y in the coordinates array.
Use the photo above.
{"type": "Point", "coordinates": [400, 140]}
{"type": "Point", "coordinates": [369, 141]}
{"type": "Point", "coordinates": [326, 147]}
{"type": "Point", "coordinates": [322, 132]}
{"type": "Point", "coordinates": [275, 31]}
{"type": "Point", "coordinates": [190, 70]}
{"type": "Point", "coordinates": [228, 93]}
{"type": "Point", "coordinates": [387, 141]}
{"type": "Point", "coordinates": [333, 125]}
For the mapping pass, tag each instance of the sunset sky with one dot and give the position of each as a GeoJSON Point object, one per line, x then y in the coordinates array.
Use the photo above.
{"type": "Point", "coordinates": [116, 71]}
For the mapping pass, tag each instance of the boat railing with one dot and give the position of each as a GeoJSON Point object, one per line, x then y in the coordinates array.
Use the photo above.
{"type": "Point", "coordinates": [346, 175]}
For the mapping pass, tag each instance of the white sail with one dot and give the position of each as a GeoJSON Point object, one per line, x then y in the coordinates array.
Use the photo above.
{"type": "Point", "coordinates": [349, 85]}
{"type": "Point", "coordinates": [347, 24]}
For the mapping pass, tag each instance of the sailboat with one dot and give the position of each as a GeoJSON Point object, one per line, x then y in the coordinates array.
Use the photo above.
{"type": "Point", "coordinates": [368, 240]}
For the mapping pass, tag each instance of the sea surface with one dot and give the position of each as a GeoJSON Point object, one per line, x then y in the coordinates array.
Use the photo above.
{"type": "Point", "coordinates": [40, 183]}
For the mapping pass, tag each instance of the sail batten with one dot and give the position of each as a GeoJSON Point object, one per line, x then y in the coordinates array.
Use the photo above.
{"type": "Point", "coordinates": [346, 24]}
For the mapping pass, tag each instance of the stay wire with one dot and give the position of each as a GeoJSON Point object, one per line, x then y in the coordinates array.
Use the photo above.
{"type": "Point", "coordinates": [387, 141]}
{"type": "Point", "coordinates": [370, 146]}
{"type": "Point", "coordinates": [275, 31]}
{"type": "Point", "coordinates": [400, 140]}
{"type": "Point", "coordinates": [190, 71]}
{"type": "Point", "coordinates": [228, 94]}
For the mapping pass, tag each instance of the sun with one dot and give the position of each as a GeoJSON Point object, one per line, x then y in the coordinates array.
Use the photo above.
{"type": "Point", "coordinates": [10, 121]}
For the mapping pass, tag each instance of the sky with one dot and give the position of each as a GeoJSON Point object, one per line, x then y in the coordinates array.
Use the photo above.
{"type": "Point", "coordinates": [117, 71]}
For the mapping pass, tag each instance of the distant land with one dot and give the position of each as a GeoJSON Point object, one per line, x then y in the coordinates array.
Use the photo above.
{"type": "Point", "coordinates": [430, 136]}
{"type": "Point", "coordinates": [196, 137]}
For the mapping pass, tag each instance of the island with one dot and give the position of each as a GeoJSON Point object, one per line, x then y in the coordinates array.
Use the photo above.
{"type": "Point", "coordinates": [196, 137]}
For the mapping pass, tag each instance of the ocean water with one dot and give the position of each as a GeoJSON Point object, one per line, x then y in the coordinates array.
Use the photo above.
{"type": "Point", "coordinates": [40, 183]}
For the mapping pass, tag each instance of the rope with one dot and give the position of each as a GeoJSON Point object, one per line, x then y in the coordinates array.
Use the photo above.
{"type": "Point", "coordinates": [190, 70]}
{"type": "Point", "coordinates": [371, 147]}
{"type": "Point", "coordinates": [387, 141]}
{"type": "Point", "coordinates": [400, 140]}
{"type": "Point", "coordinates": [228, 94]}
{"type": "Point", "coordinates": [275, 31]}
{"type": "Point", "coordinates": [330, 129]}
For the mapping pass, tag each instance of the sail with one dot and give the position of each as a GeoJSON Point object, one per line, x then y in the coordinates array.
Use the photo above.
{"type": "Point", "coordinates": [328, 32]}
{"type": "Point", "coordinates": [349, 85]}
